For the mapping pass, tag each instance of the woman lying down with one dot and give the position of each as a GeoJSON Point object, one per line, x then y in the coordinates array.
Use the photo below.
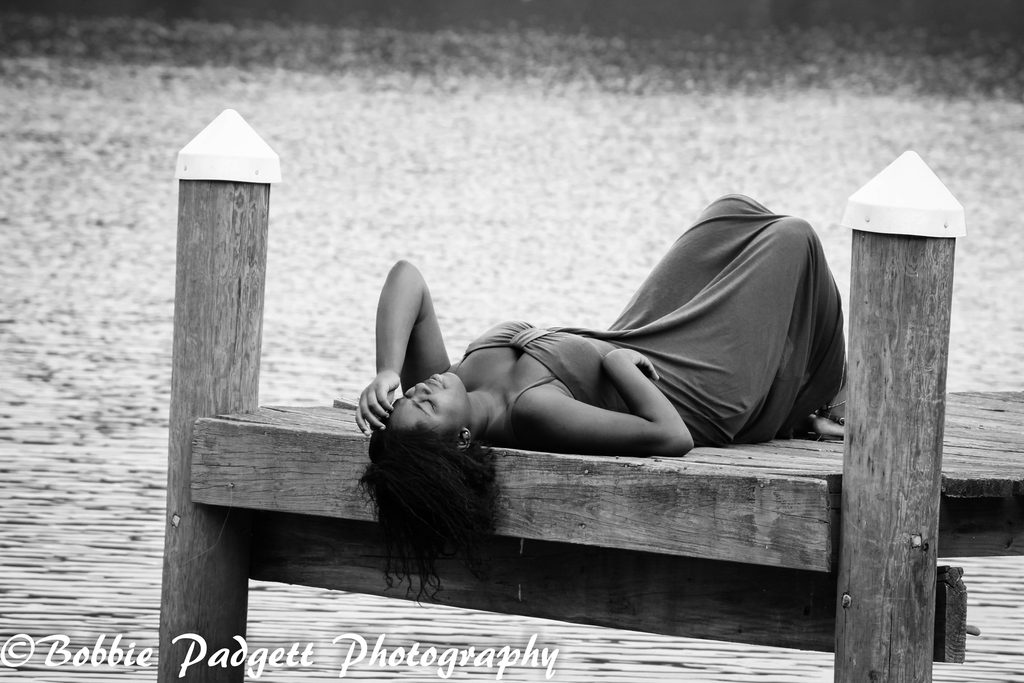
{"type": "Point", "coordinates": [735, 337]}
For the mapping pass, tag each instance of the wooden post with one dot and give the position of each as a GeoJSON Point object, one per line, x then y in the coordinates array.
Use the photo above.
{"type": "Point", "coordinates": [951, 615]}
{"type": "Point", "coordinates": [223, 202]}
{"type": "Point", "coordinates": [900, 295]}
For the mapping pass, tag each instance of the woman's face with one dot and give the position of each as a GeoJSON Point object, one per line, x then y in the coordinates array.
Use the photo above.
{"type": "Point", "coordinates": [439, 404]}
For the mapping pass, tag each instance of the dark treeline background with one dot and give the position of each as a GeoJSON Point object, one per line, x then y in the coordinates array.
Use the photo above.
{"type": "Point", "coordinates": [594, 16]}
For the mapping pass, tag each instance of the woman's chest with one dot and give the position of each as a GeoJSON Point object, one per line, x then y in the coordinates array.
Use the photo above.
{"type": "Point", "coordinates": [506, 369]}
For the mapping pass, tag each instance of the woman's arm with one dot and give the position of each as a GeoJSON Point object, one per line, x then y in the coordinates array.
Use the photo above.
{"type": "Point", "coordinates": [549, 420]}
{"type": "Point", "coordinates": [410, 347]}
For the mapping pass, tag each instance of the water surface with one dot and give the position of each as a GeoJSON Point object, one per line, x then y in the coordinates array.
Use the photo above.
{"type": "Point", "coordinates": [546, 201]}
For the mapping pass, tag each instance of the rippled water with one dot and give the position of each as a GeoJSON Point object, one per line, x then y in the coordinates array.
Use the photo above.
{"type": "Point", "coordinates": [542, 201]}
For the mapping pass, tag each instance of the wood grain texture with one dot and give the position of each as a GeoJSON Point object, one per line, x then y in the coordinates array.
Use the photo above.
{"type": "Point", "coordinates": [651, 592]}
{"type": "Point", "coordinates": [983, 452]}
{"type": "Point", "coordinates": [990, 526]}
{"type": "Point", "coordinates": [640, 591]}
{"type": "Point", "coordinates": [306, 462]}
{"type": "Point", "coordinates": [950, 615]}
{"type": "Point", "coordinates": [981, 527]}
{"type": "Point", "coordinates": [218, 318]}
{"type": "Point", "coordinates": [901, 290]}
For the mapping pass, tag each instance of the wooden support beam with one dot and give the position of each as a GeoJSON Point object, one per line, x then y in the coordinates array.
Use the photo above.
{"type": "Point", "coordinates": [312, 466]}
{"type": "Point", "coordinates": [665, 594]}
{"type": "Point", "coordinates": [968, 527]}
{"type": "Point", "coordinates": [625, 589]}
{"type": "Point", "coordinates": [950, 615]}
{"type": "Point", "coordinates": [218, 320]}
{"type": "Point", "coordinates": [981, 527]}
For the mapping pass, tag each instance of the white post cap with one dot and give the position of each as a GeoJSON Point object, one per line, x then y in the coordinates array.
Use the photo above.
{"type": "Point", "coordinates": [906, 198]}
{"type": "Point", "coordinates": [228, 149]}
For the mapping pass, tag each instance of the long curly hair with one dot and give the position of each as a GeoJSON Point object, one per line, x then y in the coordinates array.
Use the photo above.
{"type": "Point", "coordinates": [433, 499]}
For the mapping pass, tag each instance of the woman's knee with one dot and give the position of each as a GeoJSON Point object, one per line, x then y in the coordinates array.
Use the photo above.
{"type": "Point", "coordinates": [731, 205]}
{"type": "Point", "coordinates": [793, 233]}
{"type": "Point", "coordinates": [790, 244]}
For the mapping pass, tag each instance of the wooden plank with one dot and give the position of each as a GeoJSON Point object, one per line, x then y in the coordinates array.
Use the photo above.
{"type": "Point", "coordinates": [997, 441]}
{"type": "Point", "coordinates": [1008, 401]}
{"type": "Point", "coordinates": [992, 402]}
{"type": "Point", "coordinates": [1016, 397]}
{"type": "Point", "coordinates": [980, 420]}
{"type": "Point", "coordinates": [950, 615]}
{"type": "Point", "coordinates": [969, 472]}
{"type": "Point", "coordinates": [671, 506]}
{"type": "Point", "coordinates": [965, 447]}
{"type": "Point", "coordinates": [973, 468]}
{"type": "Point", "coordinates": [779, 457]}
{"type": "Point", "coordinates": [640, 591]}
{"type": "Point", "coordinates": [1002, 474]}
{"type": "Point", "coordinates": [656, 593]}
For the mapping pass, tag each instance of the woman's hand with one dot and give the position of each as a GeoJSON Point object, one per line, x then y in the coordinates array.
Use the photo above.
{"type": "Point", "coordinates": [375, 401]}
{"type": "Point", "coordinates": [638, 359]}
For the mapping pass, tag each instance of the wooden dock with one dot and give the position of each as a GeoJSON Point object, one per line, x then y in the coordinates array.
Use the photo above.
{"type": "Point", "coordinates": [818, 545]}
{"type": "Point", "coordinates": [746, 534]}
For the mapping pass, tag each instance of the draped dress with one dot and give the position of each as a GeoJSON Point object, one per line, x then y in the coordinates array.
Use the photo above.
{"type": "Point", "coordinates": [741, 318]}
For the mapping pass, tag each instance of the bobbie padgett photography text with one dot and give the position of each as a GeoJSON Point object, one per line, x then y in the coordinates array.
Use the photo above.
{"type": "Point", "coordinates": [57, 651]}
